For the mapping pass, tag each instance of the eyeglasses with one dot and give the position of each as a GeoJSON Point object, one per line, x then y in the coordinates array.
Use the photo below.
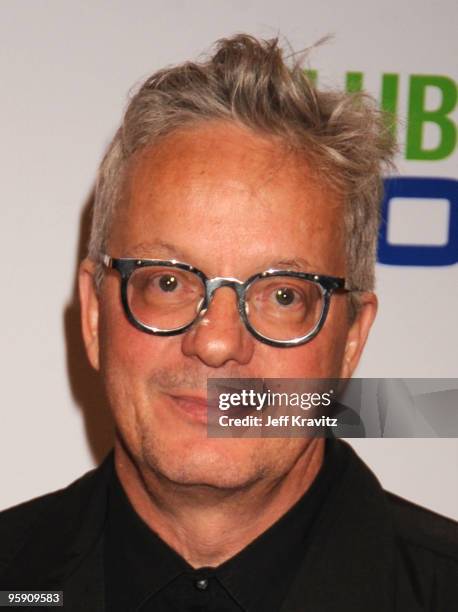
{"type": "Point", "coordinates": [281, 308]}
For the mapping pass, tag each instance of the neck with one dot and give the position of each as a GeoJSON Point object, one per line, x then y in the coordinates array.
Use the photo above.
{"type": "Point", "coordinates": [205, 525]}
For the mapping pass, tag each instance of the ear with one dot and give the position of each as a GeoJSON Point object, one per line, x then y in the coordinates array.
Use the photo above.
{"type": "Point", "coordinates": [89, 302]}
{"type": "Point", "coordinates": [358, 333]}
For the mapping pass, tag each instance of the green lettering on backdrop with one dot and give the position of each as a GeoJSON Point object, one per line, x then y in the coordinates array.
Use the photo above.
{"type": "Point", "coordinates": [312, 75]}
{"type": "Point", "coordinates": [354, 82]}
{"type": "Point", "coordinates": [389, 97]}
{"type": "Point", "coordinates": [418, 116]}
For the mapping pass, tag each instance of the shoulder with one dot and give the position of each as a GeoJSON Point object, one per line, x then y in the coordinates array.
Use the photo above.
{"type": "Point", "coordinates": [54, 511]}
{"type": "Point", "coordinates": [421, 528]}
{"type": "Point", "coordinates": [426, 557]}
{"type": "Point", "coordinates": [412, 548]}
{"type": "Point", "coordinates": [17, 522]}
{"type": "Point", "coordinates": [410, 524]}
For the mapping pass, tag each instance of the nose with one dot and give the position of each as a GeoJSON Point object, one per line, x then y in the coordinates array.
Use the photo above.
{"type": "Point", "coordinates": [219, 335]}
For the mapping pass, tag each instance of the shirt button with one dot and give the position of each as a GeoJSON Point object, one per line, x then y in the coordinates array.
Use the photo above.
{"type": "Point", "coordinates": [201, 584]}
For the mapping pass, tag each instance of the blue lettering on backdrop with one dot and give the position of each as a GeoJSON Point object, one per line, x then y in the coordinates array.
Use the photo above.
{"type": "Point", "coordinates": [417, 254]}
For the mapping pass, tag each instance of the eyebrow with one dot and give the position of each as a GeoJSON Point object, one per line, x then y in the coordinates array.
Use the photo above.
{"type": "Point", "coordinates": [298, 263]}
{"type": "Point", "coordinates": [143, 250]}
{"type": "Point", "coordinates": [160, 248]}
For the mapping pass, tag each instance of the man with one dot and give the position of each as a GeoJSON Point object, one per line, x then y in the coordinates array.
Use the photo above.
{"type": "Point", "coordinates": [232, 202]}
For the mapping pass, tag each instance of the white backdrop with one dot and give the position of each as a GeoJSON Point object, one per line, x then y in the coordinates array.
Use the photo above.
{"type": "Point", "coordinates": [66, 68]}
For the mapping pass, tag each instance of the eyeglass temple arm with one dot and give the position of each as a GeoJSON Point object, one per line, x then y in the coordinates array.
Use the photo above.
{"type": "Point", "coordinates": [106, 260]}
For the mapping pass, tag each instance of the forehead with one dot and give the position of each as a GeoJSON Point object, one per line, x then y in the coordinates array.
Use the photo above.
{"type": "Point", "coordinates": [218, 189]}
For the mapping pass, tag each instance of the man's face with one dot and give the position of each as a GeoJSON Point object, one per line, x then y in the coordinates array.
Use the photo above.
{"type": "Point", "coordinates": [232, 204]}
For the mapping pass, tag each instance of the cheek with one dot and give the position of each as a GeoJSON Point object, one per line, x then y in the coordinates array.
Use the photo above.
{"type": "Point", "coordinates": [127, 351]}
{"type": "Point", "coordinates": [334, 337]}
{"type": "Point", "coordinates": [119, 340]}
{"type": "Point", "coordinates": [320, 358]}
{"type": "Point", "coordinates": [129, 359]}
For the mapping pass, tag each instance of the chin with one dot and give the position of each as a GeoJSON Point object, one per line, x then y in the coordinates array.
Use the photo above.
{"type": "Point", "coordinates": [222, 464]}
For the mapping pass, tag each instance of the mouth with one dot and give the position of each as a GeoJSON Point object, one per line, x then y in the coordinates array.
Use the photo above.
{"type": "Point", "coordinates": [200, 408]}
{"type": "Point", "coordinates": [194, 407]}
{"type": "Point", "coordinates": [205, 411]}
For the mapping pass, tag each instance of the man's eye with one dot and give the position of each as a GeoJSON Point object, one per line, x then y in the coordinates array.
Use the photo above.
{"type": "Point", "coordinates": [168, 282]}
{"type": "Point", "coordinates": [285, 296]}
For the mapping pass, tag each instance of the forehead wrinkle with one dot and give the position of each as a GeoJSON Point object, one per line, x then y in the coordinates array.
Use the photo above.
{"type": "Point", "coordinates": [150, 250]}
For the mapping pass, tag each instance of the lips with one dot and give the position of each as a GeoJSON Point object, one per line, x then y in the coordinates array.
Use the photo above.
{"type": "Point", "coordinates": [193, 406]}
{"type": "Point", "coordinates": [199, 409]}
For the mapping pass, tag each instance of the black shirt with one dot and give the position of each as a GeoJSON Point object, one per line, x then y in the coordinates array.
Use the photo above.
{"type": "Point", "coordinates": [366, 549]}
{"type": "Point", "coordinates": [142, 573]}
